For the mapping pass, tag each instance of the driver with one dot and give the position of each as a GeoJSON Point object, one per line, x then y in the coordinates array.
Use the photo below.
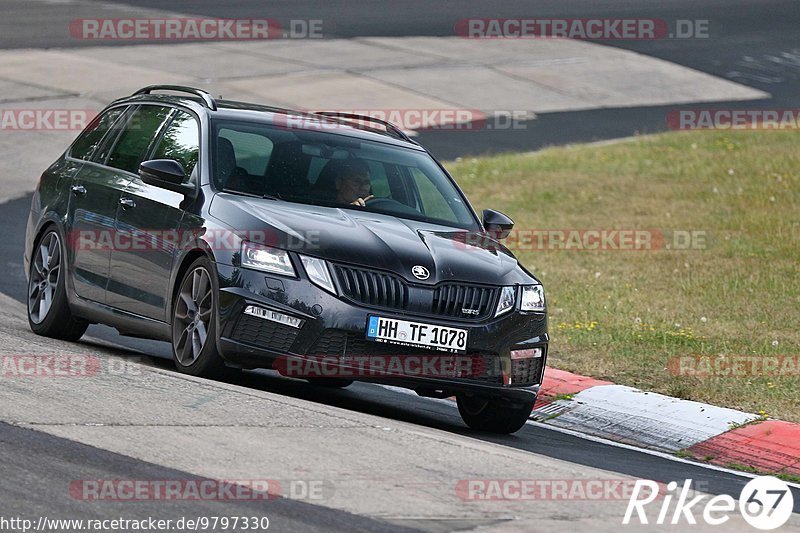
{"type": "Point", "coordinates": [353, 184]}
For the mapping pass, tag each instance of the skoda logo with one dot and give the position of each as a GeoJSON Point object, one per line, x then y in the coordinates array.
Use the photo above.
{"type": "Point", "coordinates": [420, 272]}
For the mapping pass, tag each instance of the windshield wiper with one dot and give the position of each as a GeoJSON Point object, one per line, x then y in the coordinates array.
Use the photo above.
{"type": "Point", "coordinates": [253, 195]}
{"type": "Point", "coordinates": [242, 193]}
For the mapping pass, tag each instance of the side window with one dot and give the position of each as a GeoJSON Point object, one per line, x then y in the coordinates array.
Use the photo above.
{"type": "Point", "coordinates": [88, 141]}
{"type": "Point", "coordinates": [133, 142]}
{"type": "Point", "coordinates": [252, 151]}
{"type": "Point", "coordinates": [181, 142]}
{"type": "Point", "coordinates": [434, 203]}
{"type": "Point", "coordinates": [380, 183]}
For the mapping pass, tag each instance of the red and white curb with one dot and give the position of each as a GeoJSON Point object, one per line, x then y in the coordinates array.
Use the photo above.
{"type": "Point", "coordinates": [657, 422]}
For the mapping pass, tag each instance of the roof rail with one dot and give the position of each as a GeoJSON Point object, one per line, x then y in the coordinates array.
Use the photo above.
{"type": "Point", "coordinates": [208, 100]}
{"type": "Point", "coordinates": [391, 129]}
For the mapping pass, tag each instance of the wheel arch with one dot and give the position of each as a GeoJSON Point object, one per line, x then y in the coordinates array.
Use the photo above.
{"type": "Point", "coordinates": [45, 222]}
{"type": "Point", "coordinates": [50, 220]}
{"type": "Point", "coordinates": [186, 260]}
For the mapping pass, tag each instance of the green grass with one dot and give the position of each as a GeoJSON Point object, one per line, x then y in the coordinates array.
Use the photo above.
{"type": "Point", "coordinates": [790, 478]}
{"type": "Point", "coordinates": [622, 315]}
{"type": "Point", "coordinates": [785, 476]}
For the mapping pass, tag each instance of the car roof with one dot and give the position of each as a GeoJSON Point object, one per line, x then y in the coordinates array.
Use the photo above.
{"type": "Point", "coordinates": [357, 126]}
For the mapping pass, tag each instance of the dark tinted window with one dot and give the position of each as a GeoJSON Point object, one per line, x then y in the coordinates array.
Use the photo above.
{"type": "Point", "coordinates": [326, 169]}
{"type": "Point", "coordinates": [252, 151]}
{"type": "Point", "coordinates": [133, 142]}
{"type": "Point", "coordinates": [380, 182]}
{"type": "Point", "coordinates": [181, 142]}
{"type": "Point", "coordinates": [85, 145]}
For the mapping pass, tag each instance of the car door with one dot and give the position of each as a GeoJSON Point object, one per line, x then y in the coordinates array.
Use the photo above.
{"type": "Point", "coordinates": [149, 218]}
{"type": "Point", "coordinates": [94, 196]}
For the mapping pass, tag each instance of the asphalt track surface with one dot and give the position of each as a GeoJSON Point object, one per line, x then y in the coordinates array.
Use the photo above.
{"type": "Point", "coordinates": [753, 42]}
{"type": "Point", "coordinates": [33, 459]}
{"type": "Point", "coordinates": [21, 448]}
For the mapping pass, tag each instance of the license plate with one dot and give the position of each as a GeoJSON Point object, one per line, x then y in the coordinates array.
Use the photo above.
{"type": "Point", "coordinates": [407, 333]}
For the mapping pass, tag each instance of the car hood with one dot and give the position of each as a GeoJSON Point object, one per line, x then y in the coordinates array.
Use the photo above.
{"type": "Point", "coordinates": [373, 240]}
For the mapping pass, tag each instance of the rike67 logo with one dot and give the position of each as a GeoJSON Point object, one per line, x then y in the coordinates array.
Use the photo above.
{"type": "Point", "coordinates": [765, 503]}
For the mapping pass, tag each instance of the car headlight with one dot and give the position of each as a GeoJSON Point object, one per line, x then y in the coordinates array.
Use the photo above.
{"type": "Point", "coordinates": [318, 273]}
{"type": "Point", "coordinates": [266, 258]}
{"type": "Point", "coordinates": [533, 298]}
{"type": "Point", "coordinates": [507, 301]}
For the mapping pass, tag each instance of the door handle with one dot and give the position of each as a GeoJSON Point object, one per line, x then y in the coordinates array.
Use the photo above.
{"type": "Point", "coordinates": [78, 190]}
{"type": "Point", "coordinates": [127, 202]}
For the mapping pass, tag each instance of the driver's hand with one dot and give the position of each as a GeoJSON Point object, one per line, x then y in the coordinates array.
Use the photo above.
{"type": "Point", "coordinates": [362, 202]}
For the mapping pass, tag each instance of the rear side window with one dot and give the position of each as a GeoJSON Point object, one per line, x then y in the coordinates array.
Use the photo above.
{"type": "Point", "coordinates": [134, 141]}
{"type": "Point", "coordinates": [90, 139]}
{"type": "Point", "coordinates": [181, 142]}
{"type": "Point", "coordinates": [252, 151]}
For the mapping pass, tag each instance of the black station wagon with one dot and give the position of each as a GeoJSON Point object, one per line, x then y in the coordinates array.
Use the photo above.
{"type": "Point", "coordinates": [330, 247]}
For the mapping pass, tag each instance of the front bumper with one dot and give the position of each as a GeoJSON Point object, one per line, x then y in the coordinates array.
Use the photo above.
{"type": "Point", "coordinates": [333, 330]}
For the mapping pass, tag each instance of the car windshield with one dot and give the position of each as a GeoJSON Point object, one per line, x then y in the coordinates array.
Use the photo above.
{"type": "Point", "coordinates": [322, 168]}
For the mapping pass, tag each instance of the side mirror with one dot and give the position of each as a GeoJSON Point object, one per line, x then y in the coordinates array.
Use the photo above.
{"type": "Point", "coordinates": [497, 224]}
{"type": "Point", "coordinates": [166, 174]}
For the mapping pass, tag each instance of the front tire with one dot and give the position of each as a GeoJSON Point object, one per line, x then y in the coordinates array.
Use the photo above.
{"type": "Point", "coordinates": [492, 415]}
{"type": "Point", "coordinates": [49, 314]}
{"type": "Point", "coordinates": [194, 322]}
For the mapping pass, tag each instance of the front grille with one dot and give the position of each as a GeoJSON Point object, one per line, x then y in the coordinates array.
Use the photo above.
{"type": "Point", "coordinates": [372, 288]}
{"type": "Point", "coordinates": [346, 345]}
{"type": "Point", "coordinates": [264, 333]}
{"type": "Point", "coordinates": [388, 291]}
{"type": "Point", "coordinates": [453, 299]}
{"type": "Point", "coordinates": [526, 371]}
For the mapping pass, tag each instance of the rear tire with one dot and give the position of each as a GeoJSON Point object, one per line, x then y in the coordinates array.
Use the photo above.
{"type": "Point", "coordinates": [49, 314]}
{"type": "Point", "coordinates": [494, 416]}
{"type": "Point", "coordinates": [194, 322]}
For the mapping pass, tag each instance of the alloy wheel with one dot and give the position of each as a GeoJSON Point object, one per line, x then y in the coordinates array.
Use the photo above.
{"type": "Point", "coordinates": [44, 277]}
{"type": "Point", "coordinates": [193, 315]}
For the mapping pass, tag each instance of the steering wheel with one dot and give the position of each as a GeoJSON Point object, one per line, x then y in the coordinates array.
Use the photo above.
{"type": "Point", "coordinates": [377, 202]}
{"type": "Point", "coordinates": [391, 205]}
